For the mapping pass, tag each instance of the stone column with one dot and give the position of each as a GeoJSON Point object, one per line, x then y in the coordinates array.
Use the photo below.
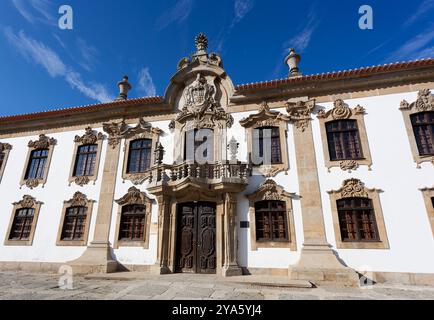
{"type": "Point", "coordinates": [98, 258]}
{"type": "Point", "coordinates": [164, 222]}
{"type": "Point", "coordinates": [230, 234]}
{"type": "Point", "coordinates": [318, 262]}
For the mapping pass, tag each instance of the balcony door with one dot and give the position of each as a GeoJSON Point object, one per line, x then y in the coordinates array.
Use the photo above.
{"type": "Point", "coordinates": [196, 238]}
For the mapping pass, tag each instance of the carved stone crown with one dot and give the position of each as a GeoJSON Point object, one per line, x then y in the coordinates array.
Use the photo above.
{"type": "Point", "coordinates": [5, 146]}
{"type": "Point", "coordinates": [27, 202]}
{"type": "Point", "coordinates": [353, 188]}
{"type": "Point", "coordinates": [340, 111]}
{"type": "Point", "coordinates": [201, 42]}
{"type": "Point", "coordinates": [269, 190]}
{"type": "Point", "coordinates": [424, 102]}
{"type": "Point", "coordinates": [134, 196]}
{"type": "Point", "coordinates": [120, 130]}
{"type": "Point", "coordinates": [78, 200]}
{"type": "Point", "coordinates": [44, 142]}
{"type": "Point", "coordinates": [90, 137]}
{"type": "Point", "coordinates": [264, 118]}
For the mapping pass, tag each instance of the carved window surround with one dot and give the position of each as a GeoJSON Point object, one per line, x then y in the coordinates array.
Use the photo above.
{"type": "Point", "coordinates": [134, 196]}
{"type": "Point", "coordinates": [139, 178]}
{"type": "Point", "coordinates": [354, 188]}
{"type": "Point", "coordinates": [43, 142]}
{"type": "Point", "coordinates": [90, 137]}
{"type": "Point", "coordinates": [428, 195]}
{"type": "Point", "coordinates": [269, 190]}
{"type": "Point", "coordinates": [342, 111]}
{"type": "Point", "coordinates": [78, 200]}
{"type": "Point", "coordinates": [268, 118]}
{"type": "Point", "coordinates": [5, 148]}
{"type": "Point", "coordinates": [424, 103]}
{"type": "Point", "coordinates": [27, 202]}
{"type": "Point", "coordinates": [143, 130]}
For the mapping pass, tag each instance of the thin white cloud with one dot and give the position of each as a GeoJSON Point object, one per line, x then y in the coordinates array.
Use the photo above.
{"type": "Point", "coordinates": [35, 10]}
{"type": "Point", "coordinates": [242, 8]}
{"type": "Point", "coordinates": [418, 47]}
{"type": "Point", "coordinates": [145, 84]}
{"type": "Point", "coordinates": [424, 7]}
{"type": "Point", "coordinates": [37, 52]}
{"type": "Point", "coordinates": [178, 13]}
{"type": "Point", "coordinates": [302, 39]}
{"type": "Point", "coordinates": [88, 53]}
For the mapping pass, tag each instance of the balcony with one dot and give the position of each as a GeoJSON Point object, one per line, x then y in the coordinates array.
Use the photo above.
{"type": "Point", "coordinates": [226, 175]}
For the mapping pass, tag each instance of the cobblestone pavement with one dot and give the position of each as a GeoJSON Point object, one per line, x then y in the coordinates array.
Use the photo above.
{"type": "Point", "coordinates": [21, 285]}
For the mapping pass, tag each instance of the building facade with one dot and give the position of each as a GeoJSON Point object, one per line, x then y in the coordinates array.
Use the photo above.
{"type": "Point", "coordinates": [319, 177]}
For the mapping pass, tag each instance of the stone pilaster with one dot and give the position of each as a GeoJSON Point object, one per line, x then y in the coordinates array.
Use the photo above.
{"type": "Point", "coordinates": [98, 257]}
{"type": "Point", "coordinates": [164, 222]}
{"type": "Point", "coordinates": [318, 262]}
{"type": "Point", "coordinates": [230, 233]}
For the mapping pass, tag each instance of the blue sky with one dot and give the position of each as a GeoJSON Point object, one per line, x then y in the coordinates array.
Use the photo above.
{"type": "Point", "coordinates": [43, 67]}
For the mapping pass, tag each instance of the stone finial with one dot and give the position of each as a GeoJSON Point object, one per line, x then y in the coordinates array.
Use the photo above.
{"type": "Point", "coordinates": [124, 87]}
{"type": "Point", "coordinates": [201, 42]}
{"type": "Point", "coordinates": [233, 149]}
{"type": "Point", "coordinates": [292, 61]}
{"type": "Point", "coordinates": [159, 154]}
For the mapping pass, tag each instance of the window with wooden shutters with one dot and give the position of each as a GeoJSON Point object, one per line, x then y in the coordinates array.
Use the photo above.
{"type": "Point", "coordinates": [271, 223]}
{"type": "Point", "coordinates": [22, 224]}
{"type": "Point", "coordinates": [272, 133]}
{"type": "Point", "coordinates": [423, 128]}
{"type": "Point", "coordinates": [343, 140]}
{"type": "Point", "coordinates": [37, 163]}
{"type": "Point", "coordinates": [132, 224]}
{"type": "Point", "coordinates": [357, 220]}
{"type": "Point", "coordinates": [85, 160]}
{"type": "Point", "coordinates": [139, 159]}
{"type": "Point", "coordinates": [74, 224]}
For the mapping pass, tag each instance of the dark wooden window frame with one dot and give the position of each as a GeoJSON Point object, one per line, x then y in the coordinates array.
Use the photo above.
{"type": "Point", "coordinates": [276, 144]}
{"type": "Point", "coordinates": [22, 224]}
{"type": "Point", "coordinates": [341, 138]}
{"type": "Point", "coordinates": [423, 129]}
{"type": "Point", "coordinates": [36, 170]}
{"type": "Point", "coordinates": [88, 155]}
{"type": "Point", "coordinates": [132, 226]}
{"type": "Point", "coordinates": [357, 220]}
{"type": "Point", "coordinates": [76, 219]}
{"type": "Point", "coordinates": [269, 216]}
{"type": "Point", "coordinates": [144, 156]}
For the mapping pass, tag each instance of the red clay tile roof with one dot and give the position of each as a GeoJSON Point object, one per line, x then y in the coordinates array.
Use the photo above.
{"type": "Point", "coordinates": [245, 87]}
{"type": "Point", "coordinates": [338, 74]}
{"type": "Point", "coordinates": [90, 107]}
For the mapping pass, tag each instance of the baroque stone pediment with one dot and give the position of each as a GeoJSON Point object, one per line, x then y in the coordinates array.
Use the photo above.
{"type": "Point", "coordinates": [78, 200]}
{"type": "Point", "coordinates": [27, 202]}
{"type": "Point", "coordinates": [264, 118]}
{"type": "Point", "coordinates": [134, 196]}
{"type": "Point", "coordinates": [90, 137]}
{"type": "Point", "coordinates": [270, 190]}
{"type": "Point", "coordinates": [120, 130]}
{"type": "Point", "coordinates": [340, 111]}
{"type": "Point", "coordinates": [44, 142]}
{"type": "Point", "coordinates": [424, 102]}
{"type": "Point", "coordinates": [353, 188]}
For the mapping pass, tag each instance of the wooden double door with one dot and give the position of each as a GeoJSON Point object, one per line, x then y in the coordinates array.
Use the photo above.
{"type": "Point", "coordinates": [196, 238]}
